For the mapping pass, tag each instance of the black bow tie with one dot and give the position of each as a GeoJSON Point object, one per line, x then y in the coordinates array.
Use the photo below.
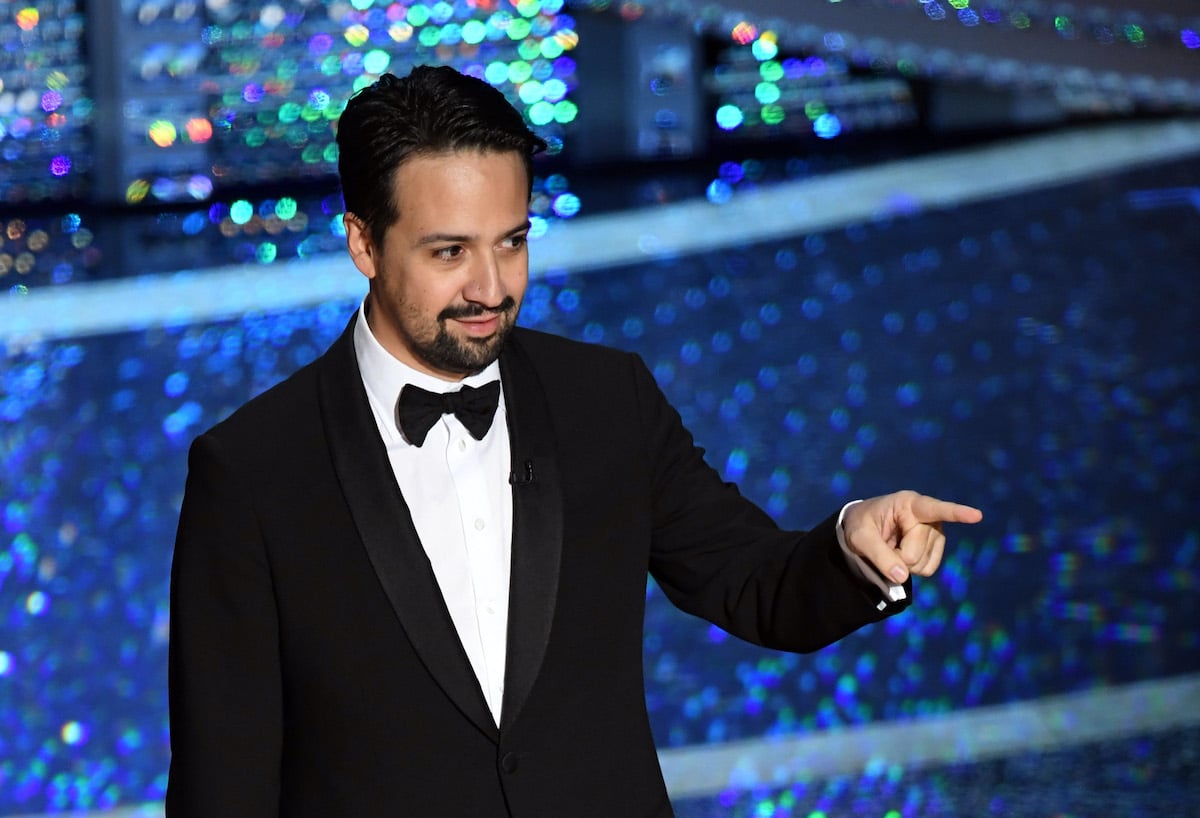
{"type": "Point", "coordinates": [417, 410]}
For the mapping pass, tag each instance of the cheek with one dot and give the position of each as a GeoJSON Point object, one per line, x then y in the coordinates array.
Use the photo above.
{"type": "Point", "coordinates": [412, 288]}
{"type": "Point", "coordinates": [516, 277]}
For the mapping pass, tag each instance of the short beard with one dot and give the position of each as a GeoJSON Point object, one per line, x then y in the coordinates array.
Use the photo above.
{"type": "Point", "coordinates": [466, 357]}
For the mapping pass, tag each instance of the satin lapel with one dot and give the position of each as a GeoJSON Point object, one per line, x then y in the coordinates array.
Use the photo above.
{"type": "Point", "coordinates": [387, 532]}
{"type": "Point", "coordinates": [537, 528]}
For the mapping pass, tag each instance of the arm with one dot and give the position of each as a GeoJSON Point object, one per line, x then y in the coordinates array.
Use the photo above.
{"type": "Point", "coordinates": [718, 556]}
{"type": "Point", "coordinates": [225, 682]}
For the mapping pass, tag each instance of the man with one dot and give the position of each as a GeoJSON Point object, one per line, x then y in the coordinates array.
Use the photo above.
{"type": "Point", "coordinates": [390, 603]}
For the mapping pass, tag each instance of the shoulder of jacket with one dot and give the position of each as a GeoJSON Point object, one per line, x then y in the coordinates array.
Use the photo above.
{"type": "Point", "coordinates": [275, 406]}
{"type": "Point", "coordinates": [547, 346]}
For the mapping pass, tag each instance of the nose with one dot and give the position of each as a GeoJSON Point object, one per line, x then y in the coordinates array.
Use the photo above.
{"type": "Point", "coordinates": [485, 286]}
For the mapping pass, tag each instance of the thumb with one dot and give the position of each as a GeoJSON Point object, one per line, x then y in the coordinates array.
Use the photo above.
{"type": "Point", "coordinates": [870, 545]}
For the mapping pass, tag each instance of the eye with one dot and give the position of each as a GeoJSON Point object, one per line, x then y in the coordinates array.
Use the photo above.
{"type": "Point", "coordinates": [515, 242]}
{"type": "Point", "coordinates": [448, 253]}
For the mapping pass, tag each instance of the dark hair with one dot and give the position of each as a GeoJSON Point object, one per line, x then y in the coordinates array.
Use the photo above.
{"type": "Point", "coordinates": [432, 110]}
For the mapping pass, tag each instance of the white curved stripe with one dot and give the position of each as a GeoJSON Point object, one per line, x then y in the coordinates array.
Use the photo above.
{"type": "Point", "coordinates": [963, 736]}
{"type": "Point", "coordinates": [594, 242]}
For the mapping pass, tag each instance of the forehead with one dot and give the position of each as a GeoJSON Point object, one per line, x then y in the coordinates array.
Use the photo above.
{"type": "Point", "coordinates": [464, 192]}
{"type": "Point", "coordinates": [467, 173]}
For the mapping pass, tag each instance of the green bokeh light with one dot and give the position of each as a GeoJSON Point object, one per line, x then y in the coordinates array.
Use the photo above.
{"type": "Point", "coordinates": [519, 29]}
{"type": "Point", "coordinates": [541, 113]}
{"type": "Point", "coordinates": [565, 111]}
{"type": "Point", "coordinates": [474, 32]}
{"type": "Point", "coordinates": [771, 71]}
{"type": "Point", "coordinates": [286, 208]}
{"type": "Point", "coordinates": [241, 211]}
{"type": "Point", "coordinates": [496, 73]}
{"type": "Point", "coordinates": [376, 61]}
{"type": "Point", "coordinates": [519, 71]}
{"type": "Point", "coordinates": [530, 49]}
{"type": "Point", "coordinates": [773, 114]}
{"type": "Point", "coordinates": [531, 92]}
{"type": "Point", "coordinates": [429, 36]}
{"type": "Point", "coordinates": [764, 49]}
{"type": "Point", "coordinates": [418, 15]}
{"type": "Point", "coordinates": [766, 93]}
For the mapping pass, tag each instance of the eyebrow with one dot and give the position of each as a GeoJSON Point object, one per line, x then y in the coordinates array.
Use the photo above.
{"type": "Point", "coordinates": [455, 238]}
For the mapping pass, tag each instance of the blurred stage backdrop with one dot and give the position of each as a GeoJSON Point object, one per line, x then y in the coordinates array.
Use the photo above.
{"type": "Point", "coordinates": [868, 244]}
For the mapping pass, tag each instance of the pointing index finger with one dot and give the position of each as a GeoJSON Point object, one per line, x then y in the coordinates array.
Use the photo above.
{"type": "Point", "coordinates": [932, 510]}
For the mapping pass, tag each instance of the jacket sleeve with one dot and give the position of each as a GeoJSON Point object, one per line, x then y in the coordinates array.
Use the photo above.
{"type": "Point", "coordinates": [224, 675]}
{"type": "Point", "coordinates": [718, 556]}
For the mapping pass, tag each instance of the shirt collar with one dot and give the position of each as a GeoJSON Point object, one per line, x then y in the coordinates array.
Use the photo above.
{"type": "Point", "coordinates": [385, 375]}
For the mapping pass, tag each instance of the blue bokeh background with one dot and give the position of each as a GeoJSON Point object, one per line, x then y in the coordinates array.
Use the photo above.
{"type": "Point", "coordinates": [1035, 356]}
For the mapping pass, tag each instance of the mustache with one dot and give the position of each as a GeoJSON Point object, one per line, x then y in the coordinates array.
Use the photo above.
{"type": "Point", "coordinates": [475, 310]}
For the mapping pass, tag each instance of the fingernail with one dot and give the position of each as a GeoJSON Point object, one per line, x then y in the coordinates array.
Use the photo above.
{"type": "Point", "coordinates": [898, 573]}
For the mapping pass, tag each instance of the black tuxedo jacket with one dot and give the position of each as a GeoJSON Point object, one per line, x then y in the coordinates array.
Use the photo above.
{"type": "Point", "coordinates": [314, 668]}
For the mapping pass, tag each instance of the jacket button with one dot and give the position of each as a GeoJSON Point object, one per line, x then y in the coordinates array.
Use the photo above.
{"type": "Point", "coordinates": [509, 762]}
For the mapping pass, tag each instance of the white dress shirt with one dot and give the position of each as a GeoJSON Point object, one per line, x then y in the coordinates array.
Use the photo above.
{"type": "Point", "coordinates": [458, 492]}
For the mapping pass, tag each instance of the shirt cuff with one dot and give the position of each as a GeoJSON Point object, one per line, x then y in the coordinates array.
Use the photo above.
{"type": "Point", "coordinates": [891, 591]}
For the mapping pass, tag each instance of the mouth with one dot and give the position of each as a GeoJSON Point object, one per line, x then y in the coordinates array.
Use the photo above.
{"type": "Point", "coordinates": [479, 326]}
{"type": "Point", "coordinates": [477, 321]}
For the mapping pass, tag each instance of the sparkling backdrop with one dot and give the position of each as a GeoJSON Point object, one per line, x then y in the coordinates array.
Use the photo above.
{"type": "Point", "coordinates": [1124, 27]}
{"type": "Point", "coordinates": [199, 84]}
{"type": "Point", "coordinates": [204, 86]}
{"type": "Point", "coordinates": [760, 92]}
{"type": "Point", "coordinates": [44, 111]}
{"type": "Point", "coordinates": [1141, 777]}
{"type": "Point", "coordinates": [1034, 356]}
{"type": "Point", "coordinates": [272, 80]}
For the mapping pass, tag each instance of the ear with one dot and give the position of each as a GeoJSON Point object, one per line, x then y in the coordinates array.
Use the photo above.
{"type": "Point", "coordinates": [359, 245]}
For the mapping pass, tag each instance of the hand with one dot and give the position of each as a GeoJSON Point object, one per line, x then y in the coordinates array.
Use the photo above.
{"type": "Point", "coordinates": [901, 533]}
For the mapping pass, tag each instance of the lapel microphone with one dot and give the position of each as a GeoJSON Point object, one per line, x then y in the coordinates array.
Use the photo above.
{"type": "Point", "coordinates": [522, 479]}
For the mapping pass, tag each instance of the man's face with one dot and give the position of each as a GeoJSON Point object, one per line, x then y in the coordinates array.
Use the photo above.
{"type": "Point", "coordinates": [447, 283]}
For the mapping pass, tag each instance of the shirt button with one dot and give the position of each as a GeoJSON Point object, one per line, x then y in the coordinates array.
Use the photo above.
{"type": "Point", "coordinates": [462, 445]}
{"type": "Point", "coordinates": [479, 524]}
{"type": "Point", "coordinates": [509, 763]}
